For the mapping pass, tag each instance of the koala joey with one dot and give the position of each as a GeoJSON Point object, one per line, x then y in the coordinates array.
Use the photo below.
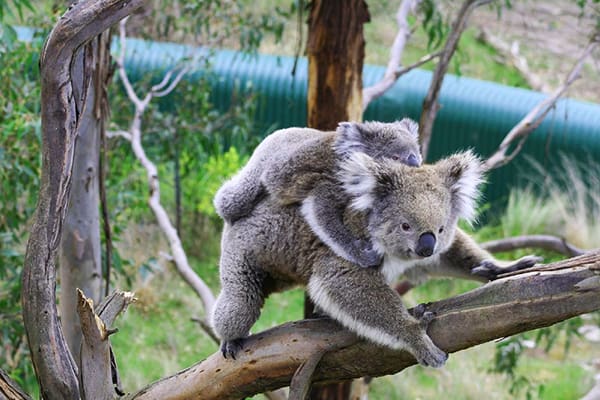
{"type": "Point", "coordinates": [410, 214]}
{"type": "Point", "coordinates": [298, 165]}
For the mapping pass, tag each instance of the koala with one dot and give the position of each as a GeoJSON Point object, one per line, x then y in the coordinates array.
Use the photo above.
{"type": "Point", "coordinates": [410, 214]}
{"type": "Point", "coordinates": [298, 165]}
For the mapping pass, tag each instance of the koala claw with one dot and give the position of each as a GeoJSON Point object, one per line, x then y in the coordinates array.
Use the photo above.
{"type": "Point", "coordinates": [230, 348]}
{"type": "Point", "coordinates": [433, 357]}
{"type": "Point", "coordinates": [490, 270]}
{"type": "Point", "coordinates": [367, 256]}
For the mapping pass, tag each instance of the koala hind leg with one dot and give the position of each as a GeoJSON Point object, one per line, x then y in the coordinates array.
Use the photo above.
{"type": "Point", "coordinates": [323, 210]}
{"type": "Point", "coordinates": [239, 303]}
{"type": "Point", "coordinates": [361, 300]}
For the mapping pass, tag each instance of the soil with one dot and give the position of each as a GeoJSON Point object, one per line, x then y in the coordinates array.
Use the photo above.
{"type": "Point", "coordinates": [550, 35]}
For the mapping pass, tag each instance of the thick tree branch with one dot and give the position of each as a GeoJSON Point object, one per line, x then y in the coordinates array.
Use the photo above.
{"type": "Point", "coordinates": [62, 107]}
{"type": "Point", "coordinates": [533, 299]}
{"type": "Point", "coordinates": [545, 242]}
{"type": "Point", "coordinates": [134, 135]}
{"type": "Point", "coordinates": [536, 116]}
{"type": "Point", "coordinates": [430, 103]}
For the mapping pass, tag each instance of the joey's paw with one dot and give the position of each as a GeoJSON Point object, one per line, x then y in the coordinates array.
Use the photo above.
{"type": "Point", "coordinates": [367, 257]}
{"type": "Point", "coordinates": [432, 357]}
{"type": "Point", "coordinates": [487, 269]}
{"type": "Point", "coordinates": [525, 262]}
{"type": "Point", "coordinates": [230, 348]}
{"type": "Point", "coordinates": [426, 318]}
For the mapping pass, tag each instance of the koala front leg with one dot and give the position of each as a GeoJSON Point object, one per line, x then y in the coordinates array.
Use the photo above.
{"type": "Point", "coordinates": [466, 259]}
{"type": "Point", "coordinates": [239, 303]}
{"type": "Point", "coordinates": [361, 301]}
{"type": "Point", "coordinates": [323, 210]}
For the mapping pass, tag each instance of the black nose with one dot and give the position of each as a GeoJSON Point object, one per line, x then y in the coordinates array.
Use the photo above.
{"type": "Point", "coordinates": [412, 160]}
{"type": "Point", "coordinates": [425, 244]}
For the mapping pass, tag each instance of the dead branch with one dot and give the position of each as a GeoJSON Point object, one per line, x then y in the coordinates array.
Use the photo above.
{"type": "Point", "coordinates": [430, 103]}
{"type": "Point", "coordinates": [534, 118]}
{"type": "Point", "coordinates": [391, 73]}
{"type": "Point", "coordinates": [545, 242]}
{"type": "Point", "coordinates": [134, 135]}
{"type": "Point", "coordinates": [531, 300]}
{"type": "Point", "coordinates": [9, 389]}
{"type": "Point", "coordinates": [61, 114]}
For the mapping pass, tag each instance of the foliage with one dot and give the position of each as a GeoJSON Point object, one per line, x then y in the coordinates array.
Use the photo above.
{"type": "Point", "coordinates": [20, 164]}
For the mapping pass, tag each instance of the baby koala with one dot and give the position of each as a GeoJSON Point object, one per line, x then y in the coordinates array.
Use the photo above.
{"type": "Point", "coordinates": [301, 166]}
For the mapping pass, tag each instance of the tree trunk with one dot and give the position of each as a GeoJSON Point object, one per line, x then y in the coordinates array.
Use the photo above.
{"type": "Point", "coordinates": [336, 51]}
{"type": "Point", "coordinates": [79, 252]}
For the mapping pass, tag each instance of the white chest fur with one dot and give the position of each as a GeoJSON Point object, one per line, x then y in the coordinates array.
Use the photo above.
{"type": "Point", "coordinates": [393, 266]}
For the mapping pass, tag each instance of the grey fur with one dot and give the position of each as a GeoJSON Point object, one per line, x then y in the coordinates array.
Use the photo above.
{"type": "Point", "coordinates": [274, 249]}
{"type": "Point", "coordinates": [298, 165]}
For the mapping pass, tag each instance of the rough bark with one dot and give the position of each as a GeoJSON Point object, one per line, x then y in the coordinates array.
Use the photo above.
{"type": "Point", "coordinates": [79, 252]}
{"type": "Point", "coordinates": [62, 107]}
{"type": "Point", "coordinates": [9, 390]}
{"type": "Point", "coordinates": [533, 299]}
{"type": "Point", "coordinates": [336, 50]}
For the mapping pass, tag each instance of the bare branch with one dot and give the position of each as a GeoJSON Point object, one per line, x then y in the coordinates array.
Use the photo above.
{"type": "Point", "coordinates": [430, 103]}
{"type": "Point", "coordinates": [135, 137]}
{"type": "Point", "coordinates": [119, 133]}
{"type": "Point", "coordinates": [302, 378]}
{"type": "Point", "coordinates": [536, 298]}
{"type": "Point", "coordinates": [546, 242]}
{"type": "Point", "coordinates": [391, 72]}
{"type": "Point", "coordinates": [535, 117]}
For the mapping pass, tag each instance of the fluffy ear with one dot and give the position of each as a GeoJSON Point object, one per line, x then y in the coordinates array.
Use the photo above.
{"type": "Point", "coordinates": [409, 126]}
{"type": "Point", "coordinates": [358, 177]}
{"type": "Point", "coordinates": [463, 174]}
{"type": "Point", "coordinates": [350, 138]}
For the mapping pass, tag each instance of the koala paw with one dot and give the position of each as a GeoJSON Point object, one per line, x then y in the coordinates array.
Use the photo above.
{"type": "Point", "coordinates": [230, 348]}
{"type": "Point", "coordinates": [490, 270]}
{"type": "Point", "coordinates": [367, 255]}
{"type": "Point", "coordinates": [432, 356]}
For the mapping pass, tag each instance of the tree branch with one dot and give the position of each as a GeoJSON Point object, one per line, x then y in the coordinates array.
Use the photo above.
{"type": "Point", "coordinates": [62, 107]}
{"type": "Point", "coordinates": [546, 242]}
{"type": "Point", "coordinates": [533, 299]}
{"type": "Point", "coordinates": [430, 103]}
{"type": "Point", "coordinates": [134, 135]}
{"type": "Point", "coordinates": [392, 71]}
{"type": "Point", "coordinates": [536, 116]}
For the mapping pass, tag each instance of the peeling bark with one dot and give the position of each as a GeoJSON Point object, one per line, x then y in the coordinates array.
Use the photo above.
{"type": "Point", "coordinates": [533, 299]}
{"type": "Point", "coordinates": [9, 390]}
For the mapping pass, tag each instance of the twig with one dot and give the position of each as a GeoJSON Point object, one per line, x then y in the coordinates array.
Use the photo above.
{"type": "Point", "coordinates": [430, 103]}
{"type": "Point", "coordinates": [135, 137]}
{"type": "Point", "coordinates": [535, 117]}
{"type": "Point", "coordinates": [391, 73]}
{"type": "Point", "coordinates": [546, 242]}
{"type": "Point", "coordinates": [301, 380]}
{"type": "Point", "coordinates": [206, 328]}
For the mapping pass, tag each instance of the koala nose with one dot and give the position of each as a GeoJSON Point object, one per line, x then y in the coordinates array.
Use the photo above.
{"type": "Point", "coordinates": [412, 160]}
{"type": "Point", "coordinates": [425, 244]}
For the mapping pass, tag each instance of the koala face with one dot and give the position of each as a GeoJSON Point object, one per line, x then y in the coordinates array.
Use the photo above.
{"type": "Point", "coordinates": [397, 141]}
{"type": "Point", "coordinates": [413, 212]}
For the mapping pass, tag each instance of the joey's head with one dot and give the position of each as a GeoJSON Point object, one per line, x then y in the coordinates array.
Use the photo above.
{"type": "Point", "coordinates": [413, 212]}
{"type": "Point", "coordinates": [398, 141]}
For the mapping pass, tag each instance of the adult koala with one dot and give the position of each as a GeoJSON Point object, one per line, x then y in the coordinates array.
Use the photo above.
{"type": "Point", "coordinates": [410, 214]}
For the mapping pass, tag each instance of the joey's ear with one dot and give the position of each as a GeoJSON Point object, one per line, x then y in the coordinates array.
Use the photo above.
{"type": "Point", "coordinates": [463, 174]}
{"type": "Point", "coordinates": [409, 126]}
{"type": "Point", "coordinates": [350, 138]}
{"type": "Point", "coordinates": [358, 176]}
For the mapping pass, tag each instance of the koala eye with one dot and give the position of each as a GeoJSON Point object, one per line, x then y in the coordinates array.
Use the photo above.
{"type": "Point", "coordinates": [441, 229]}
{"type": "Point", "coordinates": [395, 157]}
{"type": "Point", "coordinates": [405, 227]}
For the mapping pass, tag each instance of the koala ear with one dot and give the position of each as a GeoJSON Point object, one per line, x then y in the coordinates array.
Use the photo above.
{"type": "Point", "coordinates": [463, 174]}
{"type": "Point", "coordinates": [358, 177]}
{"type": "Point", "coordinates": [350, 139]}
{"type": "Point", "coordinates": [409, 126]}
